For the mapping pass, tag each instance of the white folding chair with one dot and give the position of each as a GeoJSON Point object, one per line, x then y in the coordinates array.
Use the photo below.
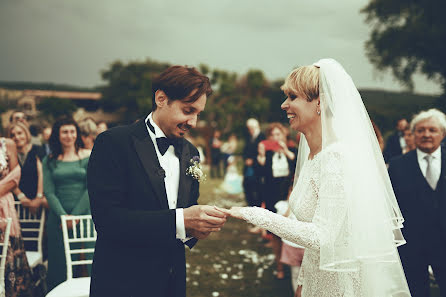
{"type": "Point", "coordinates": [83, 232]}
{"type": "Point", "coordinates": [4, 244]}
{"type": "Point", "coordinates": [32, 226]}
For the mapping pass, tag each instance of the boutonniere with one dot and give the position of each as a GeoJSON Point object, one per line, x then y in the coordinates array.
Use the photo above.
{"type": "Point", "coordinates": [195, 171]}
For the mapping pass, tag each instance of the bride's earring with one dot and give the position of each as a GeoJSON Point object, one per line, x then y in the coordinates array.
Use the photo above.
{"type": "Point", "coordinates": [318, 111]}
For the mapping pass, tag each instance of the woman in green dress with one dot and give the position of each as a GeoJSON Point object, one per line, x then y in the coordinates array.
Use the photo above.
{"type": "Point", "coordinates": [65, 186]}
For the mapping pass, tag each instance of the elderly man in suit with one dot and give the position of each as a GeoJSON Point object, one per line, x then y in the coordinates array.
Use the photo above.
{"type": "Point", "coordinates": [419, 182]}
{"type": "Point", "coordinates": [143, 200]}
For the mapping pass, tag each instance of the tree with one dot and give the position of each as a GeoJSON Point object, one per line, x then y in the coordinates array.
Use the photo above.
{"type": "Point", "coordinates": [129, 87]}
{"type": "Point", "coordinates": [56, 107]}
{"type": "Point", "coordinates": [408, 37]}
{"type": "Point", "coordinates": [234, 100]}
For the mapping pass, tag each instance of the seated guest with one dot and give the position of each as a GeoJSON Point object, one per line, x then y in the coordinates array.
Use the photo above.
{"type": "Point", "coordinates": [88, 130]}
{"type": "Point", "coordinates": [65, 186]}
{"type": "Point", "coordinates": [30, 189]}
{"type": "Point", "coordinates": [102, 126]}
{"type": "Point", "coordinates": [18, 279]}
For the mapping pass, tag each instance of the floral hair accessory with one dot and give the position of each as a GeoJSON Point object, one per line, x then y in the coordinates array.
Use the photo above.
{"type": "Point", "coordinates": [195, 171]}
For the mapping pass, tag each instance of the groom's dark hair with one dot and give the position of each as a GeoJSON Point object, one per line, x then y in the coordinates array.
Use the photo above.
{"type": "Point", "coordinates": [177, 82]}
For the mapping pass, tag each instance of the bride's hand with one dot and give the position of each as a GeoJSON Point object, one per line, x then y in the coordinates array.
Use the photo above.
{"type": "Point", "coordinates": [298, 292]}
{"type": "Point", "coordinates": [233, 212]}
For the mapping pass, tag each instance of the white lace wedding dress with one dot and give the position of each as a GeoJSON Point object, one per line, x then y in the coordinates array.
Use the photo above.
{"type": "Point", "coordinates": [303, 229]}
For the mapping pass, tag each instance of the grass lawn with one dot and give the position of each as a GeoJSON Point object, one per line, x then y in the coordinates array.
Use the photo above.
{"type": "Point", "coordinates": [234, 262]}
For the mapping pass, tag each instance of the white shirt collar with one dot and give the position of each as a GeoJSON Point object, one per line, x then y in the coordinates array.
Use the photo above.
{"type": "Point", "coordinates": [158, 132]}
{"type": "Point", "coordinates": [436, 154]}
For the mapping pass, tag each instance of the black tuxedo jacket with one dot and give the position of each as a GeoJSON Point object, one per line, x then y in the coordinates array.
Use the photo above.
{"type": "Point", "coordinates": [137, 253]}
{"type": "Point", "coordinates": [250, 151]}
{"type": "Point", "coordinates": [423, 209]}
{"type": "Point", "coordinates": [393, 147]}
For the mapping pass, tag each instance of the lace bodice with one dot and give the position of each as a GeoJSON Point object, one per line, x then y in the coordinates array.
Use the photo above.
{"type": "Point", "coordinates": [304, 228]}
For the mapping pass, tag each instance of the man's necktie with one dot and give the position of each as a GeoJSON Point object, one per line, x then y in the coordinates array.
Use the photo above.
{"type": "Point", "coordinates": [163, 143]}
{"type": "Point", "coordinates": [430, 176]}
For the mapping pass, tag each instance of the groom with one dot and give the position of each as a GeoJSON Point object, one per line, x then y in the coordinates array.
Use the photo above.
{"type": "Point", "coordinates": [143, 203]}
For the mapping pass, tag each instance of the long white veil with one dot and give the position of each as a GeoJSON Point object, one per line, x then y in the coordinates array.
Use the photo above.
{"type": "Point", "coordinates": [360, 234]}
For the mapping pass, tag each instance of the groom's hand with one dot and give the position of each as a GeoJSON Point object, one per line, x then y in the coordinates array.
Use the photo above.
{"type": "Point", "coordinates": [200, 220]}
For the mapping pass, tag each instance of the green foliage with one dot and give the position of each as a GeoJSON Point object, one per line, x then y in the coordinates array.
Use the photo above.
{"type": "Point", "coordinates": [276, 96]}
{"type": "Point", "coordinates": [440, 103]}
{"type": "Point", "coordinates": [53, 108]}
{"type": "Point", "coordinates": [239, 97]}
{"type": "Point", "coordinates": [234, 99]}
{"type": "Point", "coordinates": [408, 37]}
{"type": "Point", "coordinates": [130, 87]}
{"type": "Point", "coordinates": [24, 85]}
{"type": "Point", "coordinates": [385, 108]}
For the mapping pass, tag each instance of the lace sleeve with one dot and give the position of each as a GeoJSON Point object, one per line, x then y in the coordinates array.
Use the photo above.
{"type": "Point", "coordinates": [300, 277]}
{"type": "Point", "coordinates": [301, 233]}
{"type": "Point", "coordinates": [328, 221]}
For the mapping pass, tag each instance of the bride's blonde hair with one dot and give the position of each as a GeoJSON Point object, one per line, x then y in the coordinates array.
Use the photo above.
{"type": "Point", "coordinates": [303, 81]}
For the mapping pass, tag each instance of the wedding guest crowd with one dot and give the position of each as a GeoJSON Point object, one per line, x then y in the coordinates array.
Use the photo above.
{"type": "Point", "coordinates": [276, 166]}
{"type": "Point", "coordinates": [395, 143]}
{"type": "Point", "coordinates": [65, 173]}
{"type": "Point", "coordinates": [49, 173]}
{"type": "Point", "coordinates": [419, 181]}
{"type": "Point", "coordinates": [216, 155]}
{"type": "Point", "coordinates": [45, 174]}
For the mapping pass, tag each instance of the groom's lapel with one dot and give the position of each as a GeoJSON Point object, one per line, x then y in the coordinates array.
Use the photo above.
{"type": "Point", "coordinates": [185, 181]}
{"type": "Point", "coordinates": [146, 152]}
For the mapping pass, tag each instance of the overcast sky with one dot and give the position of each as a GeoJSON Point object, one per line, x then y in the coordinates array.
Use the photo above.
{"type": "Point", "coordinates": [72, 41]}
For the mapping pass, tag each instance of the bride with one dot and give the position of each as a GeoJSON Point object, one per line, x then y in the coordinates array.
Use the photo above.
{"type": "Point", "coordinates": [345, 211]}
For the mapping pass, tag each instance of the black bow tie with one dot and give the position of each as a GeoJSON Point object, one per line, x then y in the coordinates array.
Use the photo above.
{"type": "Point", "coordinates": [163, 143]}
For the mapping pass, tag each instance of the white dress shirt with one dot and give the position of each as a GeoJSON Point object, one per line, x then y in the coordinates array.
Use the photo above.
{"type": "Point", "coordinates": [280, 165]}
{"type": "Point", "coordinates": [171, 165]}
{"type": "Point", "coordinates": [402, 142]}
{"type": "Point", "coordinates": [435, 163]}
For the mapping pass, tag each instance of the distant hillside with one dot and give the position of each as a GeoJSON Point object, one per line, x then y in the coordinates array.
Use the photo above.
{"type": "Point", "coordinates": [385, 107]}
{"type": "Point", "coordinates": [23, 85]}
{"type": "Point", "coordinates": [387, 98]}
